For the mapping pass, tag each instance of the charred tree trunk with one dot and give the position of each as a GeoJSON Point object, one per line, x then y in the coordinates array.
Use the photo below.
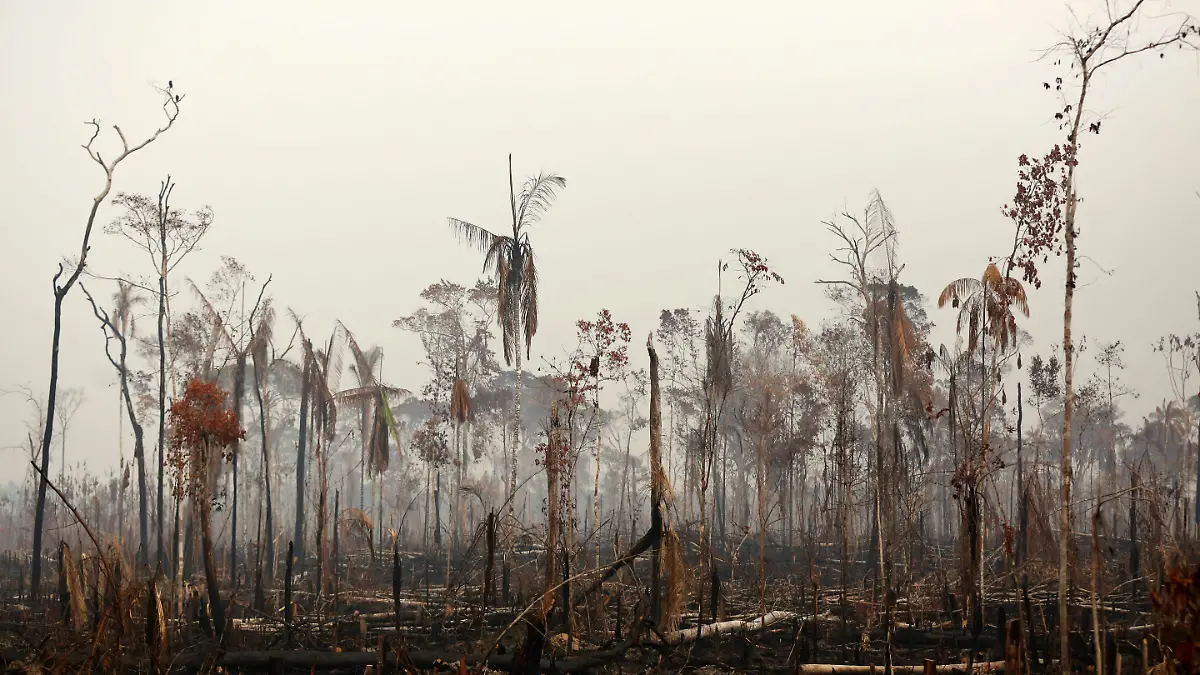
{"type": "Point", "coordinates": [60, 293]}
{"type": "Point", "coordinates": [204, 513]}
{"type": "Point", "coordinates": [301, 448]}
{"type": "Point", "coordinates": [239, 388]}
{"type": "Point", "coordinates": [269, 526]}
{"type": "Point", "coordinates": [657, 479]}
{"type": "Point", "coordinates": [40, 514]}
{"type": "Point", "coordinates": [162, 388]}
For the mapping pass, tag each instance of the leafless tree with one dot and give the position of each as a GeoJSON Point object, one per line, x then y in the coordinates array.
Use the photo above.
{"type": "Point", "coordinates": [170, 107]}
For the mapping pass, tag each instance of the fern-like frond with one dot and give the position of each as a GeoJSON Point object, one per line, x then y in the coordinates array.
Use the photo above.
{"type": "Point", "coordinates": [959, 289]}
{"type": "Point", "coordinates": [1015, 293]}
{"type": "Point", "coordinates": [537, 194]}
{"type": "Point", "coordinates": [357, 395]}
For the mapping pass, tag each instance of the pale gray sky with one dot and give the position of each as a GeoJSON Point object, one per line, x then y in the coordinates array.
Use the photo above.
{"type": "Point", "coordinates": [333, 139]}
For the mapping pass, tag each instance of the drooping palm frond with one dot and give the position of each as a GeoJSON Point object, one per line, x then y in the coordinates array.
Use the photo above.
{"type": "Point", "coordinates": [325, 373]}
{"type": "Point", "coordinates": [364, 362]}
{"type": "Point", "coordinates": [498, 256]}
{"type": "Point", "coordinates": [529, 299]}
{"type": "Point", "coordinates": [903, 337]}
{"type": "Point", "coordinates": [460, 402]}
{"type": "Point", "coordinates": [212, 314]}
{"type": "Point", "coordinates": [986, 304]}
{"type": "Point", "coordinates": [390, 420]}
{"type": "Point", "coordinates": [358, 395]}
{"type": "Point", "coordinates": [473, 235]}
{"type": "Point", "coordinates": [333, 361]}
{"type": "Point", "coordinates": [378, 456]}
{"type": "Point", "coordinates": [357, 522]}
{"type": "Point", "coordinates": [264, 331]}
{"type": "Point", "coordinates": [537, 194]}
{"type": "Point", "coordinates": [957, 291]}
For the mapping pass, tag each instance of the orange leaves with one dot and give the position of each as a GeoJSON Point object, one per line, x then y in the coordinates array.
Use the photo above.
{"type": "Point", "coordinates": [201, 423]}
{"type": "Point", "coordinates": [201, 418]}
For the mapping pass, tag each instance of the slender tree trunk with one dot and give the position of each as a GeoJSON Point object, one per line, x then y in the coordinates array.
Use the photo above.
{"type": "Point", "coordinates": [139, 454]}
{"type": "Point", "coordinates": [35, 571]}
{"type": "Point", "coordinates": [162, 386]}
{"type": "Point", "coordinates": [269, 526]}
{"type": "Point", "coordinates": [60, 292]}
{"type": "Point", "coordinates": [657, 483]}
{"type": "Point", "coordinates": [204, 511]}
{"type": "Point", "coordinates": [239, 389]}
{"type": "Point", "coordinates": [596, 483]}
{"type": "Point", "coordinates": [1064, 522]}
{"type": "Point", "coordinates": [512, 484]}
{"type": "Point", "coordinates": [322, 498]}
{"type": "Point", "coordinates": [301, 453]}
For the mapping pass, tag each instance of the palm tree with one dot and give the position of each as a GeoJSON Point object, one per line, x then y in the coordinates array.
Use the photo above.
{"type": "Point", "coordinates": [985, 305]}
{"type": "Point", "coordinates": [324, 370]}
{"type": "Point", "coordinates": [125, 301]}
{"type": "Point", "coordinates": [1171, 426]}
{"type": "Point", "coordinates": [370, 396]}
{"type": "Point", "coordinates": [510, 259]}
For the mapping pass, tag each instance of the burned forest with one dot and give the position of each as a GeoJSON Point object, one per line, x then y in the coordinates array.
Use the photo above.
{"type": "Point", "coordinates": [842, 450]}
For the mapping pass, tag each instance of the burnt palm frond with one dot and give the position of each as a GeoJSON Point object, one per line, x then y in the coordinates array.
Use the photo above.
{"type": "Point", "coordinates": [472, 235]}
{"type": "Point", "coordinates": [529, 300]}
{"type": "Point", "coordinates": [460, 402]}
{"type": "Point", "coordinates": [212, 314]}
{"type": "Point", "coordinates": [957, 291]}
{"type": "Point", "coordinates": [263, 333]}
{"type": "Point", "coordinates": [364, 362]}
{"type": "Point", "coordinates": [498, 254]}
{"type": "Point", "coordinates": [379, 456]}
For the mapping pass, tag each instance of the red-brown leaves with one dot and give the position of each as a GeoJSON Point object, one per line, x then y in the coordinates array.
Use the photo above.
{"type": "Point", "coordinates": [201, 425]}
{"type": "Point", "coordinates": [1039, 208]}
{"type": "Point", "coordinates": [1177, 608]}
{"type": "Point", "coordinates": [201, 418]}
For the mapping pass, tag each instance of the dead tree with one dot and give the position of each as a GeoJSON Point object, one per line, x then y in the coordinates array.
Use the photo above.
{"type": "Point", "coordinates": [139, 444]}
{"type": "Point", "coordinates": [170, 109]}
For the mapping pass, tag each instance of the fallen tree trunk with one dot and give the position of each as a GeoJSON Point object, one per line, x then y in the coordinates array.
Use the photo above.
{"type": "Point", "coordinates": [314, 660]}
{"type": "Point", "coordinates": [831, 669]}
{"type": "Point", "coordinates": [727, 628]}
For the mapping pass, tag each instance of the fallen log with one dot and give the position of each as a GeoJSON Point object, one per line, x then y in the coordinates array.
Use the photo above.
{"type": "Point", "coordinates": [832, 669]}
{"type": "Point", "coordinates": [727, 628]}
{"type": "Point", "coordinates": [315, 660]}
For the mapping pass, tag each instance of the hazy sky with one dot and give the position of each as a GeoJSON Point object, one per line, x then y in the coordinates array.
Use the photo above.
{"type": "Point", "coordinates": [333, 139]}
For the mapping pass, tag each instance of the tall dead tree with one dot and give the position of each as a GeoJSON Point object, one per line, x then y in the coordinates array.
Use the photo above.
{"type": "Point", "coordinates": [1047, 200]}
{"type": "Point", "coordinates": [170, 109]}
{"type": "Point", "coordinates": [166, 235]}
{"type": "Point", "coordinates": [113, 332]}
